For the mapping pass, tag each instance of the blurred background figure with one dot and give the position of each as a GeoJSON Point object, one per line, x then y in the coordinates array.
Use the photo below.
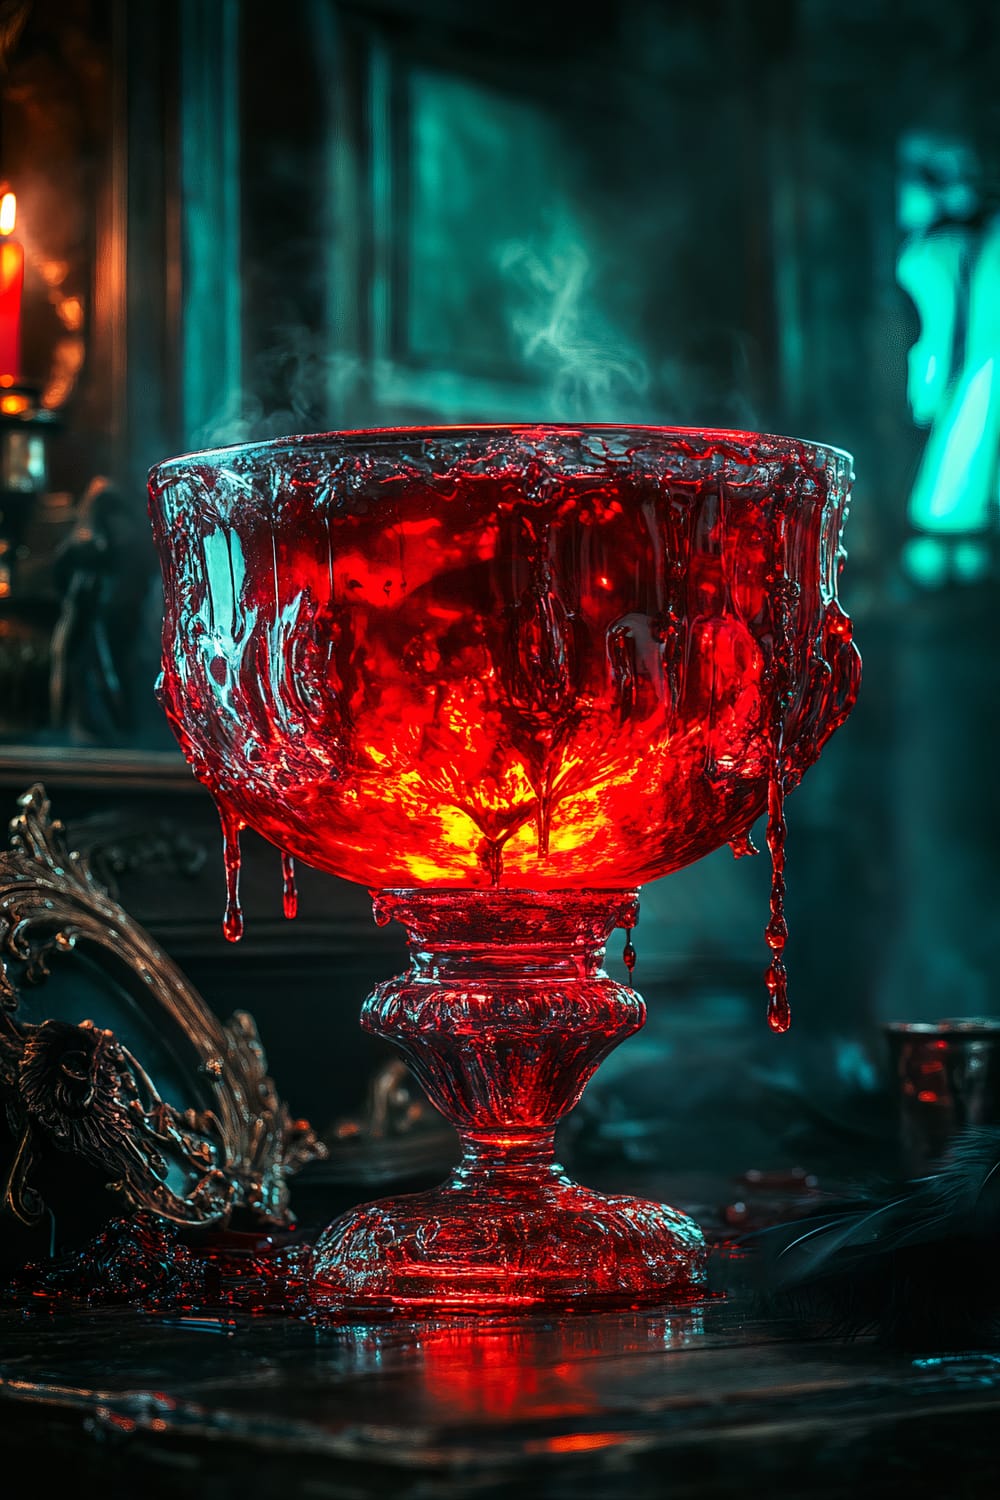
{"type": "Point", "coordinates": [102, 572]}
{"type": "Point", "coordinates": [950, 266]}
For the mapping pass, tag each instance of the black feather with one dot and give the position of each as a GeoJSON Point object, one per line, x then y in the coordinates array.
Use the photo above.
{"type": "Point", "coordinates": [917, 1268]}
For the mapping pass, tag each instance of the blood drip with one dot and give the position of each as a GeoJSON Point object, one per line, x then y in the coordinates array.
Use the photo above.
{"type": "Point", "coordinates": [779, 1016]}
{"type": "Point", "coordinates": [289, 890]}
{"type": "Point", "coordinates": [628, 952]}
{"type": "Point", "coordinates": [783, 602]}
{"type": "Point", "coordinates": [232, 922]}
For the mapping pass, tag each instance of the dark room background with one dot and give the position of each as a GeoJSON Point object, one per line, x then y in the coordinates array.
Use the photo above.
{"type": "Point", "coordinates": [242, 219]}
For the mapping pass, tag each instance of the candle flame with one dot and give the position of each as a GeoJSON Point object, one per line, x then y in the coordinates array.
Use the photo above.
{"type": "Point", "coordinates": [8, 213]}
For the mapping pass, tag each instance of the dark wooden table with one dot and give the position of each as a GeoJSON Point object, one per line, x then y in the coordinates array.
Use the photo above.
{"type": "Point", "coordinates": [702, 1402]}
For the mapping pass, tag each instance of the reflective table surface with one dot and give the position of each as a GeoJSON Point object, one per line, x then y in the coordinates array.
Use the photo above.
{"type": "Point", "coordinates": [706, 1401]}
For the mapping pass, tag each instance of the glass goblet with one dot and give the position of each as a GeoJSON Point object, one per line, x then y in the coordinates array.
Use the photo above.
{"type": "Point", "coordinates": [502, 676]}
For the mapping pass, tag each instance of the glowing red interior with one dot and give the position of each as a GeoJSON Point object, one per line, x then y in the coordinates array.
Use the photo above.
{"type": "Point", "coordinates": [535, 657]}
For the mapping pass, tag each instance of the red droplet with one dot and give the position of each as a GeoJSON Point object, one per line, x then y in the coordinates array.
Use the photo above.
{"type": "Point", "coordinates": [779, 1014]}
{"type": "Point", "coordinates": [232, 922]}
{"type": "Point", "coordinates": [289, 890]}
{"type": "Point", "coordinates": [743, 846]}
{"type": "Point", "coordinates": [628, 952]}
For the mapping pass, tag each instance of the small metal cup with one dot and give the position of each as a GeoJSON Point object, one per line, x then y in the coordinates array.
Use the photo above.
{"type": "Point", "coordinates": [947, 1076]}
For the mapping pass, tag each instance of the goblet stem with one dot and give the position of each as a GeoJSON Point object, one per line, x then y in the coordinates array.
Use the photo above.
{"type": "Point", "coordinates": [503, 1015]}
{"type": "Point", "coordinates": [507, 1157]}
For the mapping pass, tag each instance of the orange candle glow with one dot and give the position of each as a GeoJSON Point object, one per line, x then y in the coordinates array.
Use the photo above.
{"type": "Point", "coordinates": [11, 285]}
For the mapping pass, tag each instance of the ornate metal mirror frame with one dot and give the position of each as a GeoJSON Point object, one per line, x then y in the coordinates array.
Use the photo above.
{"type": "Point", "coordinates": [69, 1083]}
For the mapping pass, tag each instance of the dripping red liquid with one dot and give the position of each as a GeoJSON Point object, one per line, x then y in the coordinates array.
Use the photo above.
{"type": "Point", "coordinates": [232, 922]}
{"type": "Point", "coordinates": [779, 1016]}
{"type": "Point", "coordinates": [516, 673]}
{"type": "Point", "coordinates": [628, 952]}
{"type": "Point", "coordinates": [784, 597]}
{"type": "Point", "coordinates": [289, 890]}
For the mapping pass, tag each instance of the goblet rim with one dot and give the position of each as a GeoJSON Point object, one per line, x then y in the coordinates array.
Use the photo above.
{"type": "Point", "coordinates": [362, 437]}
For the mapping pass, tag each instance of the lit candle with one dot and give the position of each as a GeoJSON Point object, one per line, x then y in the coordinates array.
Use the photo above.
{"type": "Point", "coordinates": [11, 284]}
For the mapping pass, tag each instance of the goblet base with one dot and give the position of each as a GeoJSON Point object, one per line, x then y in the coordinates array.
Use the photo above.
{"type": "Point", "coordinates": [553, 1244]}
{"type": "Point", "coordinates": [503, 1015]}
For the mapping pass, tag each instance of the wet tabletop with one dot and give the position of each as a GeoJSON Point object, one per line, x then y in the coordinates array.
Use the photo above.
{"type": "Point", "coordinates": [703, 1401]}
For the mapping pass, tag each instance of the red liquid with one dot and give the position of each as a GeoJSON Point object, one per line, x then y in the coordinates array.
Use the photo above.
{"type": "Point", "coordinates": [289, 891]}
{"type": "Point", "coordinates": [536, 658]}
{"type": "Point", "coordinates": [232, 922]}
{"type": "Point", "coordinates": [628, 952]}
{"type": "Point", "coordinates": [143, 1261]}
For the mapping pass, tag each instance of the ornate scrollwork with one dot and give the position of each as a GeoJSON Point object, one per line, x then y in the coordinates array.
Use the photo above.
{"type": "Point", "coordinates": [76, 1087]}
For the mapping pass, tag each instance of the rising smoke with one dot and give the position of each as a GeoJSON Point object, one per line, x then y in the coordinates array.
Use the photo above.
{"type": "Point", "coordinates": [591, 372]}
{"type": "Point", "coordinates": [314, 385]}
{"type": "Point", "coordinates": [573, 362]}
